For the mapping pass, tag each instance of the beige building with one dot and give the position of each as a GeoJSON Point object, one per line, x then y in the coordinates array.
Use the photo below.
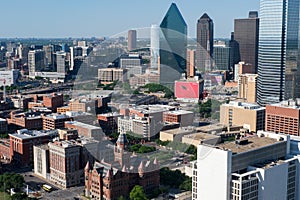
{"type": "Point", "coordinates": [250, 116]}
{"type": "Point", "coordinates": [109, 75]}
{"type": "Point", "coordinates": [41, 160]}
{"type": "Point", "coordinates": [201, 138]}
{"type": "Point", "coordinates": [247, 87]}
{"type": "Point", "coordinates": [175, 135]}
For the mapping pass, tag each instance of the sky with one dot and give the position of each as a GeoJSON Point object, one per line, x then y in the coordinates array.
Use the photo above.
{"type": "Point", "coordinates": [97, 18]}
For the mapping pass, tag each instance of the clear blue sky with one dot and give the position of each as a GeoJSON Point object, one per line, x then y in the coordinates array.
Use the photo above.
{"type": "Point", "coordinates": [87, 18]}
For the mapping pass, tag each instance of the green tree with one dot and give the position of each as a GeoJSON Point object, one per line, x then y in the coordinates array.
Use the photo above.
{"type": "Point", "coordinates": [121, 198]}
{"type": "Point", "coordinates": [137, 193]}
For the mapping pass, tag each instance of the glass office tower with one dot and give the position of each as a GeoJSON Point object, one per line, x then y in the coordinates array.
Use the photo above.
{"type": "Point", "coordinates": [173, 46]}
{"type": "Point", "coordinates": [278, 59]}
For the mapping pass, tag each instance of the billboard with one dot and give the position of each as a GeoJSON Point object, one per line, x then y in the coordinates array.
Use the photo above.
{"type": "Point", "coordinates": [187, 90]}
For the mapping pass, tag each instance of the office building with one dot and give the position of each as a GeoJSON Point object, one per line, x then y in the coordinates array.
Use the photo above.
{"type": "Point", "coordinates": [221, 57]}
{"type": "Point", "coordinates": [109, 75]}
{"type": "Point", "coordinates": [36, 62]}
{"type": "Point", "coordinates": [69, 173]}
{"type": "Point", "coordinates": [278, 68]}
{"type": "Point", "coordinates": [183, 117]}
{"type": "Point", "coordinates": [257, 167]}
{"type": "Point", "coordinates": [61, 62]}
{"type": "Point", "coordinates": [205, 42]}
{"type": "Point", "coordinates": [283, 117]}
{"type": "Point", "coordinates": [235, 56]}
{"type": "Point", "coordinates": [27, 120]}
{"type": "Point", "coordinates": [154, 45]}
{"type": "Point", "coordinates": [22, 142]}
{"type": "Point", "coordinates": [9, 78]}
{"type": "Point", "coordinates": [53, 101]}
{"type": "Point", "coordinates": [247, 87]}
{"type": "Point", "coordinates": [109, 122]}
{"type": "Point", "coordinates": [243, 68]}
{"type": "Point", "coordinates": [250, 116]}
{"type": "Point", "coordinates": [48, 54]}
{"type": "Point", "coordinates": [190, 63]}
{"type": "Point", "coordinates": [85, 130]}
{"type": "Point", "coordinates": [54, 121]}
{"type": "Point", "coordinates": [132, 36]}
{"type": "Point", "coordinates": [246, 33]}
{"type": "Point", "coordinates": [173, 46]}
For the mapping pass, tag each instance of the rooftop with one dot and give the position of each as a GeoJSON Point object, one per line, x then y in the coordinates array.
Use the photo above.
{"type": "Point", "coordinates": [200, 136]}
{"type": "Point", "coordinates": [248, 106]}
{"type": "Point", "coordinates": [181, 130]}
{"type": "Point", "coordinates": [253, 143]}
{"type": "Point", "coordinates": [83, 125]}
{"type": "Point", "coordinates": [28, 134]}
{"type": "Point", "coordinates": [179, 112]}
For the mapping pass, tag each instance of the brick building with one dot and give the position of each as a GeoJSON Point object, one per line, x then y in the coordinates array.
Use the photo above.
{"type": "Point", "coordinates": [111, 180]}
{"type": "Point", "coordinates": [65, 164]}
{"type": "Point", "coordinates": [53, 101]}
{"type": "Point", "coordinates": [27, 120]}
{"type": "Point", "coordinates": [22, 142]}
{"type": "Point", "coordinates": [283, 117]}
{"type": "Point", "coordinates": [4, 150]}
{"type": "Point", "coordinates": [109, 122]}
{"type": "Point", "coordinates": [54, 121]}
{"type": "Point", "coordinates": [185, 118]}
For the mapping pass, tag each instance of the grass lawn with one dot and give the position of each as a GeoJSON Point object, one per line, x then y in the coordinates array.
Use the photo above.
{"type": "Point", "coordinates": [4, 196]}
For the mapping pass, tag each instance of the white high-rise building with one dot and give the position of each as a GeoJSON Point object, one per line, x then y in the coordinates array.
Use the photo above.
{"type": "Point", "coordinates": [155, 46]}
{"type": "Point", "coordinates": [36, 62]}
{"type": "Point", "coordinates": [262, 167]}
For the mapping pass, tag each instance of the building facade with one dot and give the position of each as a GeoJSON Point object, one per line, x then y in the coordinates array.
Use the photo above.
{"type": "Point", "coordinates": [132, 36]}
{"type": "Point", "coordinates": [278, 62]}
{"type": "Point", "coordinates": [205, 42]}
{"type": "Point", "coordinates": [173, 46]}
{"type": "Point", "coordinates": [246, 32]}
{"type": "Point", "coordinates": [251, 116]}
{"type": "Point", "coordinates": [283, 117]}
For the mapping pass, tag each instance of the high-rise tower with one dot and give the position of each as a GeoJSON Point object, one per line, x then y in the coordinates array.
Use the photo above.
{"type": "Point", "coordinates": [172, 46]}
{"type": "Point", "coordinates": [278, 59]}
{"type": "Point", "coordinates": [205, 42]}
{"type": "Point", "coordinates": [155, 30]}
{"type": "Point", "coordinates": [131, 40]}
{"type": "Point", "coordinates": [246, 34]}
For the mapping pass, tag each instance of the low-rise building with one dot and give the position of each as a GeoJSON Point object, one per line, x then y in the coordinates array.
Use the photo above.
{"type": "Point", "coordinates": [55, 121]}
{"type": "Point", "coordinates": [27, 120]}
{"type": "Point", "coordinates": [65, 164]}
{"type": "Point", "coordinates": [22, 142]}
{"type": "Point", "coordinates": [183, 117]}
{"type": "Point", "coordinates": [251, 116]}
{"type": "Point", "coordinates": [86, 130]}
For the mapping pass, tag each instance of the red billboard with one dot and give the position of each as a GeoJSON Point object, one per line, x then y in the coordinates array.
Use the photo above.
{"type": "Point", "coordinates": [187, 90]}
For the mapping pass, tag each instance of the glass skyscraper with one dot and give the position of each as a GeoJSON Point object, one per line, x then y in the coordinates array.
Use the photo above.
{"type": "Point", "coordinates": [173, 46]}
{"type": "Point", "coordinates": [278, 52]}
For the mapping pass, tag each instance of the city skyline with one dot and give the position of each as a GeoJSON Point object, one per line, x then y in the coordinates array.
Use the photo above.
{"type": "Point", "coordinates": [57, 19]}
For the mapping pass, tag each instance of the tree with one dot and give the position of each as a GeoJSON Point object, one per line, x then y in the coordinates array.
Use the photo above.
{"type": "Point", "coordinates": [137, 193]}
{"type": "Point", "coordinates": [121, 198]}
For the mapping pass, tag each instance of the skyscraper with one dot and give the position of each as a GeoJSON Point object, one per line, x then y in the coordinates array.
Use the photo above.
{"type": "Point", "coordinates": [172, 46]}
{"type": "Point", "coordinates": [246, 34]}
{"type": "Point", "coordinates": [221, 56]}
{"type": "Point", "coordinates": [154, 46]}
{"type": "Point", "coordinates": [131, 40]}
{"type": "Point", "coordinates": [36, 62]}
{"type": "Point", "coordinates": [60, 62]}
{"type": "Point", "coordinates": [278, 59]}
{"type": "Point", "coordinates": [205, 42]}
{"type": "Point", "coordinates": [190, 63]}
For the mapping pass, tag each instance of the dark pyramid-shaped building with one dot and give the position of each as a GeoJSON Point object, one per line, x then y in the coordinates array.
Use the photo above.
{"type": "Point", "coordinates": [172, 46]}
